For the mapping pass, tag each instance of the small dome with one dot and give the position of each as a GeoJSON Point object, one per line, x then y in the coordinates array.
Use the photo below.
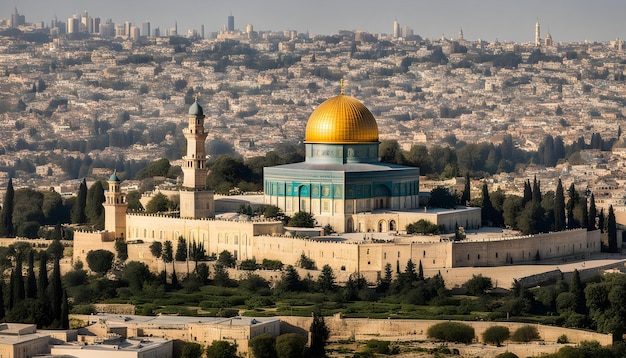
{"type": "Point", "coordinates": [114, 178]}
{"type": "Point", "coordinates": [341, 120]}
{"type": "Point", "coordinates": [196, 110]}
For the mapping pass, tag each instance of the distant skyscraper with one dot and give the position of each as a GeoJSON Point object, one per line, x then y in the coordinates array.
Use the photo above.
{"type": "Point", "coordinates": [396, 29]}
{"type": "Point", "coordinates": [231, 23]}
{"type": "Point", "coordinates": [95, 25]}
{"type": "Point", "coordinates": [156, 32]}
{"type": "Point", "coordinates": [537, 34]}
{"type": "Point", "coordinates": [202, 31]}
{"type": "Point", "coordinates": [85, 24]}
{"type": "Point", "coordinates": [73, 25]}
{"type": "Point", "coordinates": [134, 33]}
{"type": "Point", "coordinates": [145, 29]}
{"type": "Point", "coordinates": [407, 32]}
{"type": "Point", "coordinates": [17, 19]}
{"type": "Point", "coordinates": [548, 40]}
{"type": "Point", "coordinates": [461, 35]}
{"type": "Point", "coordinates": [127, 26]}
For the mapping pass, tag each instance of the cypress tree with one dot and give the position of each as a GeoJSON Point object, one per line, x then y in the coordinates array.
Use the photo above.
{"type": "Point", "coordinates": [536, 193]}
{"type": "Point", "coordinates": [56, 293]}
{"type": "Point", "coordinates": [601, 222]}
{"type": "Point", "coordinates": [420, 272]}
{"type": "Point", "coordinates": [78, 210]}
{"type": "Point", "coordinates": [585, 214]}
{"type": "Point", "coordinates": [65, 312]}
{"type": "Point", "coordinates": [94, 210]}
{"type": "Point", "coordinates": [319, 335]}
{"type": "Point", "coordinates": [31, 281]}
{"type": "Point", "coordinates": [611, 229]}
{"type": "Point", "coordinates": [6, 215]}
{"type": "Point", "coordinates": [573, 200]}
{"type": "Point", "coordinates": [42, 283]}
{"type": "Point", "coordinates": [559, 208]}
{"type": "Point", "coordinates": [465, 197]}
{"type": "Point", "coordinates": [528, 193]}
{"type": "Point", "coordinates": [593, 213]}
{"type": "Point", "coordinates": [19, 292]}
{"type": "Point", "coordinates": [576, 287]}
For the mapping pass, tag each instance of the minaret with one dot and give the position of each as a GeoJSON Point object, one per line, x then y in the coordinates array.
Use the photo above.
{"type": "Point", "coordinates": [460, 35]}
{"type": "Point", "coordinates": [195, 200]}
{"type": "Point", "coordinates": [115, 208]}
{"type": "Point", "coordinates": [537, 34]}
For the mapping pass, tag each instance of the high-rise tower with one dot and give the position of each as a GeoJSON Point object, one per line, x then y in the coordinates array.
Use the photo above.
{"type": "Point", "coordinates": [537, 34]}
{"type": "Point", "coordinates": [231, 23]}
{"type": "Point", "coordinates": [396, 29]}
{"type": "Point", "coordinates": [196, 201]}
{"type": "Point", "coordinates": [115, 208]}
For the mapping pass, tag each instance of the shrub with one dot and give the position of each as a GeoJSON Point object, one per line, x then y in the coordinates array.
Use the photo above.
{"type": "Point", "coordinates": [507, 355]}
{"type": "Point", "coordinates": [525, 334]}
{"type": "Point", "coordinates": [496, 335]}
{"type": "Point", "coordinates": [451, 332]}
{"type": "Point", "coordinates": [562, 339]}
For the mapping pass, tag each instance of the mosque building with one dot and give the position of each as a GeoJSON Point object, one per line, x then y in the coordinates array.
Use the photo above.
{"type": "Point", "coordinates": [342, 183]}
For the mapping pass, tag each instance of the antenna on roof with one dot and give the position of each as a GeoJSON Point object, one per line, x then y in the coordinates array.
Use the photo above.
{"type": "Point", "coordinates": [341, 87]}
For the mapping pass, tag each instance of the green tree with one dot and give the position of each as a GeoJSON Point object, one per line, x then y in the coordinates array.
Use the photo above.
{"type": "Point", "coordinates": [56, 250]}
{"type": "Point", "coordinates": [593, 213]}
{"type": "Point", "coordinates": [389, 151]}
{"type": "Point", "coordinates": [423, 227]}
{"type": "Point", "coordinates": [158, 204]}
{"type": "Point", "coordinates": [168, 252]}
{"type": "Point", "coordinates": [559, 208]}
{"type": "Point", "coordinates": [191, 350]}
{"type": "Point", "coordinates": [220, 276]}
{"type": "Point", "coordinates": [94, 210]}
{"type": "Point", "coordinates": [181, 249]}
{"type": "Point", "coordinates": [302, 219]}
{"type": "Point", "coordinates": [290, 280]}
{"type": "Point", "coordinates": [496, 335]}
{"type": "Point", "coordinates": [574, 199]}
{"type": "Point", "coordinates": [451, 332]}
{"type": "Point", "coordinates": [121, 248]}
{"type": "Point", "coordinates": [65, 312]}
{"type": "Point", "coordinates": [465, 197]}
{"type": "Point", "coordinates": [263, 346]}
{"type": "Point", "coordinates": [42, 282]}
{"type": "Point", "coordinates": [611, 229]}
{"type": "Point", "coordinates": [132, 199]}
{"type": "Point", "coordinates": [525, 334]}
{"type": "Point", "coordinates": [222, 349]}
{"type": "Point", "coordinates": [478, 285]}
{"type": "Point", "coordinates": [31, 280]}
{"type": "Point", "coordinates": [319, 335]}
{"type": "Point", "coordinates": [6, 215]}
{"type": "Point", "coordinates": [305, 262]}
{"type": "Point", "coordinates": [160, 167]}
{"type": "Point", "coordinates": [78, 210]}
{"type": "Point", "coordinates": [326, 279]}
{"type": "Point", "coordinates": [512, 209]}
{"type": "Point", "coordinates": [489, 215]}
{"type": "Point", "coordinates": [226, 258]}
{"type": "Point", "coordinates": [290, 345]}
{"type": "Point", "coordinates": [441, 197]}
{"type": "Point", "coordinates": [56, 295]}
{"type": "Point", "coordinates": [100, 261]}
{"type": "Point", "coordinates": [136, 274]}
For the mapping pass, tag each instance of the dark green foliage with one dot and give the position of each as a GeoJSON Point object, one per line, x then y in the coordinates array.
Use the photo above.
{"type": "Point", "coordinates": [248, 265]}
{"type": "Point", "coordinates": [507, 355]}
{"type": "Point", "coordinates": [272, 264]}
{"type": "Point", "coordinates": [158, 204]}
{"type": "Point", "coordinates": [465, 197]}
{"type": "Point", "coordinates": [326, 280]}
{"type": "Point", "coordinates": [132, 199]}
{"type": "Point", "coordinates": [319, 335]}
{"type": "Point", "coordinates": [611, 229]}
{"type": "Point", "coordinates": [94, 210]}
{"type": "Point", "coordinates": [305, 262]}
{"type": "Point", "coordinates": [31, 281]}
{"type": "Point", "coordinates": [559, 208]}
{"type": "Point", "coordinates": [380, 347]}
{"type": "Point", "coordinates": [423, 227]}
{"type": "Point", "coordinates": [496, 335]}
{"type": "Point", "coordinates": [290, 345]}
{"type": "Point", "coordinates": [593, 214]}
{"type": "Point", "coordinates": [56, 250]}
{"type": "Point", "coordinates": [100, 261]}
{"type": "Point", "coordinates": [56, 296]}
{"type": "Point", "coordinates": [302, 219]}
{"type": "Point", "coordinates": [156, 249]}
{"type": "Point", "coordinates": [478, 285]}
{"type": "Point", "coordinates": [160, 167]}
{"type": "Point", "coordinates": [136, 274]}
{"type": "Point", "coordinates": [263, 346]}
{"type": "Point", "coordinates": [290, 280]}
{"type": "Point", "coordinates": [489, 215]}
{"type": "Point", "coordinates": [121, 248]}
{"type": "Point", "coordinates": [78, 210]}
{"type": "Point", "coordinates": [451, 332]}
{"type": "Point", "coordinates": [181, 249]}
{"type": "Point", "coordinates": [226, 259]}
{"type": "Point", "coordinates": [221, 277]}
{"type": "Point", "coordinates": [222, 349]}
{"type": "Point", "coordinates": [6, 214]}
{"type": "Point", "coordinates": [389, 151]}
{"type": "Point", "coordinates": [441, 197]}
{"type": "Point", "coordinates": [191, 350]}
{"type": "Point", "coordinates": [525, 334]}
{"type": "Point", "coordinates": [27, 212]}
{"type": "Point", "coordinates": [42, 282]}
{"type": "Point", "coordinates": [65, 312]}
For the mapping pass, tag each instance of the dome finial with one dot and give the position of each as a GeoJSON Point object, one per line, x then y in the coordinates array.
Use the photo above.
{"type": "Point", "coordinates": [341, 87]}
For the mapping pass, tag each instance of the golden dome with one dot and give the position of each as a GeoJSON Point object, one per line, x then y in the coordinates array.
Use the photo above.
{"type": "Point", "coordinates": [341, 119]}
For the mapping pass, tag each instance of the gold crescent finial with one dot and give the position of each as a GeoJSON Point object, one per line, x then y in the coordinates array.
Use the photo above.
{"type": "Point", "coordinates": [195, 96]}
{"type": "Point", "coordinates": [341, 86]}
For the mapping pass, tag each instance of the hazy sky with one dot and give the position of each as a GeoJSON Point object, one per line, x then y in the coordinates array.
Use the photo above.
{"type": "Point", "coordinates": [514, 20]}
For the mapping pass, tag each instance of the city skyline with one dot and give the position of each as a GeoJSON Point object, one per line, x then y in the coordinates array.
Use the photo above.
{"type": "Point", "coordinates": [490, 20]}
